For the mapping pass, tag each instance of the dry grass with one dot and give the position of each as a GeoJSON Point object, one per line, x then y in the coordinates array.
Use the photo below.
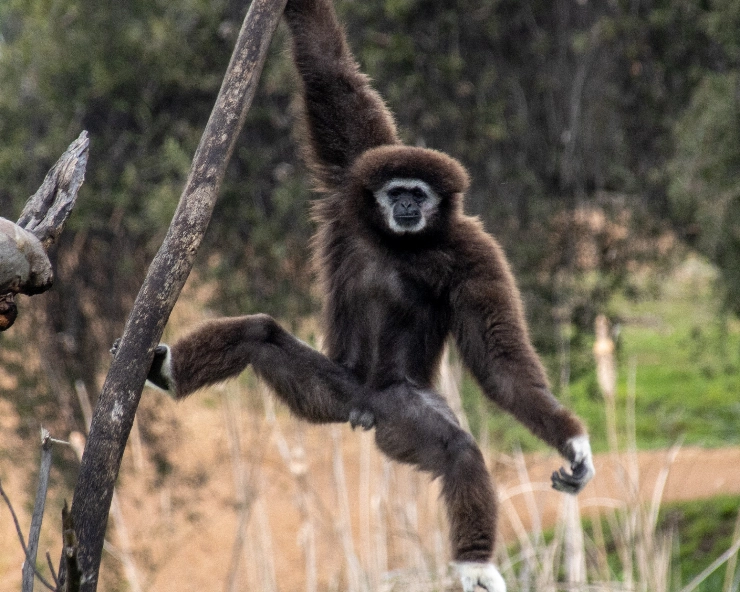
{"type": "Point", "coordinates": [389, 530]}
{"type": "Point", "coordinates": [259, 501]}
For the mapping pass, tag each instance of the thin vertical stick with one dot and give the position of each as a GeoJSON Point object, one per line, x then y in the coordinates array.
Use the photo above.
{"type": "Point", "coordinates": [602, 563]}
{"type": "Point", "coordinates": [574, 553]}
{"type": "Point", "coordinates": [631, 428]}
{"type": "Point", "coordinates": [245, 491]}
{"type": "Point", "coordinates": [124, 543]}
{"type": "Point", "coordinates": [380, 504]}
{"type": "Point", "coordinates": [38, 512]}
{"type": "Point", "coordinates": [295, 460]}
{"type": "Point", "coordinates": [268, 578]}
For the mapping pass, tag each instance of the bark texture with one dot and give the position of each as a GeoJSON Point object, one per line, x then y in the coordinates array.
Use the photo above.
{"type": "Point", "coordinates": [24, 265]}
{"type": "Point", "coordinates": [116, 407]}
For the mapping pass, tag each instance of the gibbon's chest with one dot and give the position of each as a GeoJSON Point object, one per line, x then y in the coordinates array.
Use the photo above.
{"type": "Point", "coordinates": [393, 286]}
{"type": "Point", "coordinates": [388, 298]}
{"type": "Point", "coordinates": [386, 320]}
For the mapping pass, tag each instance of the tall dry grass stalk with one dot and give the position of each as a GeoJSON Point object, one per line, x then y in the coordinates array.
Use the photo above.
{"type": "Point", "coordinates": [384, 524]}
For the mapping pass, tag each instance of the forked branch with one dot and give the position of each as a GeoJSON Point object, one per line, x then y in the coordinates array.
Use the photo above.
{"type": "Point", "coordinates": [24, 265]}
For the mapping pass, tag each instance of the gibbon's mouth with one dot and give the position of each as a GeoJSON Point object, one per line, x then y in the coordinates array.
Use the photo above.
{"type": "Point", "coordinates": [408, 220]}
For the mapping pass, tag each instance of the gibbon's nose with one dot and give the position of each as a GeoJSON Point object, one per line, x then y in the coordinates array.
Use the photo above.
{"type": "Point", "coordinates": [407, 207]}
{"type": "Point", "coordinates": [406, 203]}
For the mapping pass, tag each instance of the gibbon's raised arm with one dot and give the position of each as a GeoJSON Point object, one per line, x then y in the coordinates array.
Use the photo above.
{"type": "Point", "coordinates": [344, 116]}
{"type": "Point", "coordinates": [491, 333]}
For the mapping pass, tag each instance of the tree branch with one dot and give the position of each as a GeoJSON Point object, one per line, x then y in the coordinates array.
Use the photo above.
{"type": "Point", "coordinates": [20, 536]}
{"type": "Point", "coordinates": [47, 210]}
{"type": "Point", "coordinates": [24, 265]}
{"type": "Point", "coordinates": [114, 413]}
{"type": "Point", "coordinates": [37, 518]}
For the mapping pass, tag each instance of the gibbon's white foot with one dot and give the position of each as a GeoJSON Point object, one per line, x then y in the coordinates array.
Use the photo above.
{"type": "Point", "coordinates": [578, 451]}
{"type": "Point", "coordinates": [485, 575]}
{"type": "Point", "coordinates": [160, 374]}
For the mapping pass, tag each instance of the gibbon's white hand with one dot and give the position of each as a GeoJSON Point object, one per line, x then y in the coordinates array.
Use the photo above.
{"type": "Point", "coordinates": [578, 452]}
{"type": "Point", "coordinates": [485, 575]}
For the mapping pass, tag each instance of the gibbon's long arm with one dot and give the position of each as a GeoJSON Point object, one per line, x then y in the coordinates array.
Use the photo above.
{"type": "Point", "coordinates": [344, 116]}
{"type": "Point", "coordinates": [491, 333]}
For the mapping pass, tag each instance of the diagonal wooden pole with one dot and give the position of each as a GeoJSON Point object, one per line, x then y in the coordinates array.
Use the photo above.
{"type": "Point", "coordinates": [116, 407]}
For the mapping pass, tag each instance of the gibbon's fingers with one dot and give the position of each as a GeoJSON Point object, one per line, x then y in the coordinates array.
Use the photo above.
{"type": "Point", "coordinates": [565, 482]}
{"type": "Point", "coordinates": [578, 451]}
{"type": "Point", "coordinates": [485, 575]}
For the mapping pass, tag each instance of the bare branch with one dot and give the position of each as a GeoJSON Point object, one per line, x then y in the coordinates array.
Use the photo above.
{"type": "Point", "coordinates": [20, 537]}
{"type": "Point", "coordinates": [48, 209]}
{"type": "Point", "coordinates": [25, 268]}
{"type": "Point", "coordinates": [70, 554]}
{"type": "Point", "coordinates": [116, 407]}
{"type": "Point", "coordinates": [37, 518]}
{"type": "Point", "coordinates": [51, 569]}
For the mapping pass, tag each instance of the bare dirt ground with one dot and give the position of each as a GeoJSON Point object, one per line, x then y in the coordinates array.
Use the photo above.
{"type": "Point", "coordinates": [182, 513]}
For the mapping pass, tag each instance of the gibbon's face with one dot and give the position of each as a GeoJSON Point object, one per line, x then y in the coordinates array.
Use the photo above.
{"type": "Point", "coordinates": [407, 204]}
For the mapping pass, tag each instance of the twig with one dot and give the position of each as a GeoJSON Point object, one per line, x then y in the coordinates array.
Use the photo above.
{"type": "Point", "coordinates": [38, 511]}
{"type": "Point", "coordinates": [715, 564]}
{"type": "Point", "coordinates": [732, 561]}
{"type": "Point", "coordinates": [51, 569]}
{"type": "Point", "coordinates": [20, 537]}
{"type": "Point", "coordinates": [343, 525]}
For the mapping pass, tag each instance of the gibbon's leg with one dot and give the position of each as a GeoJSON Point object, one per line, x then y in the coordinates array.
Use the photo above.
{"type": "Point", "coordinates": [416, 426]}
{"type": "Point", "coordinates": [314, 387]}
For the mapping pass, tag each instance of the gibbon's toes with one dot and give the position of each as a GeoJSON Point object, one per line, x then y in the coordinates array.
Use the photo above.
{"type": "Point", "coordinates": [485, 575]}
{"type": "Point", "coordinates": [160, 350]}
{"type": "Point", "coordinates": [160, 374]}
{"type": "Point", "coordinates": [363, 418]}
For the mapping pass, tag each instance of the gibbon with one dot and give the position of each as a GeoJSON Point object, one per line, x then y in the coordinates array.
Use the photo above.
{"type": "Point", "coordinates": [402, 269]}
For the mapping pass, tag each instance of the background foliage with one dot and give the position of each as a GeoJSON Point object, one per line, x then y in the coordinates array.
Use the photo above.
{"type": "Point", "coordinates": [602, 137]}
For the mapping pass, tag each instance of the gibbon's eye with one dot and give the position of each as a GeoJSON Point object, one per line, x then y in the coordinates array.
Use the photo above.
{"type": "Point", "coordinates": [395, 192]}
{"type": "Point", "coordinates": [418, 194]}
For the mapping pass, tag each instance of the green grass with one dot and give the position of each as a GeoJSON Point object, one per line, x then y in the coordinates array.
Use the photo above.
{"type": "Point", "coordinates": [701, 532]}
{"type": "Point", "coordinates": [685, 352]}
{"type": "Point", "coordinates": [704, 530]}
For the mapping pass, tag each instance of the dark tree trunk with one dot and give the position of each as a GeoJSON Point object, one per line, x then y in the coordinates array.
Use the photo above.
{"type": "Point", "coordinates": [116, 407]}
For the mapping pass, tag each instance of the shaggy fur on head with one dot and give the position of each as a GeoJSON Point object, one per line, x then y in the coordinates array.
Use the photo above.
{"type": "Point", "coordinates": [377, 165]}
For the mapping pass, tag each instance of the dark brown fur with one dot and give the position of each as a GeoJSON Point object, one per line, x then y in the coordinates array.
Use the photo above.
{"type": "Point", "coordinates": [391, 300]}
